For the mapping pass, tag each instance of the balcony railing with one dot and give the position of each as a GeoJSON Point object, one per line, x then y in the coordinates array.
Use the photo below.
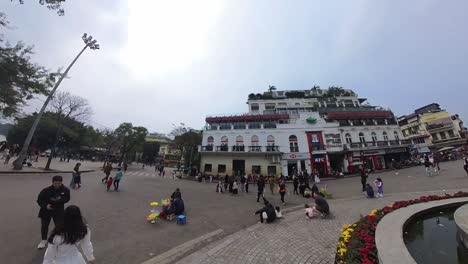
{"type": "Point", "coordinates": [222, 148]}
{"type": "Point", "coordinates": [294, 149]}
{"type": "Point", "coordinates": [238, 148]}
{"type": "Point", "coordinates": [255, 148]}
{"type": "Point", "coordinates": [207, 148]}
{"type": "Point", "coordinates": [318, 147]}
{"type": "Point", "coordinates": [272, 148]}
{"type": "Point", "coordinates": [394, 142]}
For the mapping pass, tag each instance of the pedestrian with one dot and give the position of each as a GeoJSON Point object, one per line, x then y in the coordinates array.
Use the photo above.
{"type": "Point", "coordinates": [465, 164]}
{"type": "Point", "coordinates": [271, 181]}
{"type": "Point", "coordinates": [306, 180]}
{"type": "Point", "coordinates": [247, 184]}
{"type": "Point", "coordinates": [64, 240]}
{"type": "Point", "coordinates": [369, 191]}
{"type": "Point", "coordinates": [109, 183]}
{"type": "Point", "coordinates": [226, 182]}
{"type": "Point", "coordinates": [282, 190]}
{"type": "Point", "coordinates": [118, 176]}
{"type": "Point", "coordinates": [260, 188]}
{"type": "Point", "coordinates": [242, 183]}
{"type": "Point", "coordinates": [211, 178]}
{"type": "Point", "coordinates": [52, 202]}
{"type": "Point", "coordinates": [428, 165]}
{"type": "Point", "coordinates": [314, 190]}
{"type": "Point", "coordinates": [76, 176]}
{"type": "Point", "coordinates": [7, 158]}
{"type": "Point", "coordinates": [219, 187]}
{"type": "Point", "coordinates": [295, 184]}
{"type": "Point", "coordinates": [125, 166]}
{"type": "Point", "coordinates": [231, 183]}
{"type": "Point", "coordinates": [436, 160]}
{"type": "Point", "coordinates": [107, 171]}
{"type": "Point", "coordinates": [379, 184]}
{"type": "Point", "coordinates": [235, 188]}
{"type": "Point", "coordinates": [363, 179]}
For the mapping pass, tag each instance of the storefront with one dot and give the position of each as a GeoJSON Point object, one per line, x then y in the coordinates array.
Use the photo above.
{"type": "Point", "coordinates": [294, 162]}
{"type": "Point", "coordinates": [371, 159]}
{"type": "Point", "coordinates": [397, 154]}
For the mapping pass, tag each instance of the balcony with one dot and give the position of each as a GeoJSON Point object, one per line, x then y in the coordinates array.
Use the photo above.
{"type": "Point", "coordinates": [394, 142]}
{"type": "Point", "coordinates": [272, 148]}
{"type": "Point", "coordinates": [294, 149]}
{"type": "Point", "coordinates": [207, 148]}
{"type": "Point", "coordinates": [318, 147]}
{"type": "Point", "coordinates": [439, 127]}
{"type": "Point", "coordinates": [238, 149]}
{"type": "Point", "coordinates": [223, 148]}
{"type": "Point", "coordinates": [255, 149]}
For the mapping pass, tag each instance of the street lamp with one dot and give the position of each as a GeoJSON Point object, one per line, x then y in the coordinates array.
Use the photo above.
{"type": "Point", "coordinates": [89, 42]}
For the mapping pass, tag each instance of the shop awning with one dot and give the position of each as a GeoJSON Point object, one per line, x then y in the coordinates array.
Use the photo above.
{"type": "Point", "coordinates": [445, 149]}
{"type": "Point", "coordinates": [424, 150]}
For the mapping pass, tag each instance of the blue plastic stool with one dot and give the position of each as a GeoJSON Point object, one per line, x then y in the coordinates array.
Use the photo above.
{"type": "Point", "coordinates": [181, 220]}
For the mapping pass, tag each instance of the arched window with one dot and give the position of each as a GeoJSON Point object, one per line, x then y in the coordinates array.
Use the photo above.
{"type": "Point", "coordinates": [385, 136]}
{"type": "Point", "coordinates": [348, 138]}
{"type": "Point", "coordinates": [270, 140]}
{"type": "Point", "coordinates": [362, 139]}
{"type": "Point", "coordinates": [239, 141]}
{"type": "Point", "coordinates": [224, 141]}
{"type": "Point", "coordinates": [374, 136]}
{"type": "Point", "coordinates": [397, 137]}
{"type": "Point", "coordinates": [210, 141]}
{"type": "Point", "coordinates": [293, 146]}
{"type": "Point", "coordinates": [254, 140]}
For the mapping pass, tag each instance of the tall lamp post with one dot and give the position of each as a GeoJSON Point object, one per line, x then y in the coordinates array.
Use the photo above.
{"type": "Point", "coordinates": [89, 42]}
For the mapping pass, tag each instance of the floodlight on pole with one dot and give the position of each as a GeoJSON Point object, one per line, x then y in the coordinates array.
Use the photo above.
{"type": "Point", "coordinates": [18, 163]}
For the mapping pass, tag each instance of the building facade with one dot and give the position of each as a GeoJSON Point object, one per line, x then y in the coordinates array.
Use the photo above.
{"type": "Point", "coordinates": [431, 128]}
{"type": "Point", "coordinates": [314, 130]}
{"type": "Point", "coordinates": [169, 155]}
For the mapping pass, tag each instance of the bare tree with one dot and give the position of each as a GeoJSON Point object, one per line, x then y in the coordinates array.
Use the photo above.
{"type": "Point", "coordinates": [67, 106]}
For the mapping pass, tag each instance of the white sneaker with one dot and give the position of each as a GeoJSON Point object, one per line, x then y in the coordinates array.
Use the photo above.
{"type": "Point", "coordinates": [42, 244]}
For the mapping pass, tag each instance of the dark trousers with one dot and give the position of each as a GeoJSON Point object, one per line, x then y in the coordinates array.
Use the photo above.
{"type": "Point", "coordinates": [363, 186]}
{"type": "Point", "coordinates": [246, 188]}
{"type": "Point", "coordinates": [259, 194]}
{"type": "Point", "coordinates": [282, 196]}
{"type": "Point", "coordinates": [105, 178]}
{"type": "Point", "coordinates": [45, 221]}
{"type": "Point", "coordinates": [295, 189]}
{"type": "Point", "coordinates": [116, 185]}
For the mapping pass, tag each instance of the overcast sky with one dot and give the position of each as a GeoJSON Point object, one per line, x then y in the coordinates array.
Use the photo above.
{"type": "Point", "coordinates": [165, 62]}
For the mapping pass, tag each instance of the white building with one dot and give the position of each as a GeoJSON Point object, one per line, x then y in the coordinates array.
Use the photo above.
{"type": "Point", "coordinates": [286, 131]}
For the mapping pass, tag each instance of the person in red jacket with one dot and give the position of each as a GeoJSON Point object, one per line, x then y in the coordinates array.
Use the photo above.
{"type": "Point", "coordinates": [109, 183]}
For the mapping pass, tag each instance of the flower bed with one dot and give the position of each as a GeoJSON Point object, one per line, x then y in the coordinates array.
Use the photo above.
{"type": "Point", "coordinates": [357, 241]}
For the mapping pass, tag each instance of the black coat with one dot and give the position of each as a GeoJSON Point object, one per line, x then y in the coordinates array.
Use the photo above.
{"type": "Point", "coordinates": [55, 197]}
{"type": "Point", "coordinates": [270, 211]}
{"type": "Point", "coordinates": [261, 186]}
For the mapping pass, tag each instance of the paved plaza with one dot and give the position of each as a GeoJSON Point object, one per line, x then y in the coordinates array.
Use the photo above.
{"type": "Point", "coordinates": [121, 235]}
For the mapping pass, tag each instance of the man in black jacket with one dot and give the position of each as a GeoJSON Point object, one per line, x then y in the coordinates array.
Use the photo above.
{"type": "Point", "coordinates": [267, 213]}
{"type": "Point", "coordinates": [261, 187]}
{"type": "Point", "coordinates": [52, 201]}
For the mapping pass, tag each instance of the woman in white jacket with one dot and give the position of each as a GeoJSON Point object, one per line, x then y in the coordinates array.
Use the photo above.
{"type": "Point", "coordinates": [65, 239]}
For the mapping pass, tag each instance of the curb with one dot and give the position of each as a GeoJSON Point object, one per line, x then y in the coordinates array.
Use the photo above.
{"type": "Point", "coordinates": [38, 172]}
{"type": "Point", "coordinates": [186, 248]}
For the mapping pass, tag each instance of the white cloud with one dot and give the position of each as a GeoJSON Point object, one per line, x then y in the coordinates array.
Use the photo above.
{"type": "Point", "coordinates": [167, 36]}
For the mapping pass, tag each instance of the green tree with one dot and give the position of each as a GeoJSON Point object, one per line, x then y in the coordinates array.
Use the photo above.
{"type": "Point", "coordinates": [130, 139]}
{"type": "Point", "coordinates": [50, 4]}
{"type": "Point", "coordinates": [20, 79]}
{"type": "Point", "coordinates": [188, 143]}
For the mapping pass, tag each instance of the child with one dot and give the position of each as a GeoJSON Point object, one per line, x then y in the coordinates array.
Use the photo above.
{"type": "Point", "coordinates": [379, 185]}
{"type": "Point", "coordinates": [109, 183]}
{"type": "Point", "coordinates": [309, 211]}
{"type": "Point", "coordinates": [369, 191]}
{"type": "Point", "coordinates": [278, 212]}
{"type": "Point", "coordinates": [219, 187]}
{"type": "Point", "coordinates": [235, 188]}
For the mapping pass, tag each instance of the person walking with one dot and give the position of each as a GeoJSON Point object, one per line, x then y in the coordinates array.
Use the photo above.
{"type": "Point", "coordinates": [364, 176]}
{"type": "Point", "coordinates": [107, 171]}
{"type": "Point", "coordinates": [260, 188]}
{"type": "Point", "coordinates": [226, 182]}
{"type": "Point", "coordinates": [118, 176]}
{"type": "Point", "coordinates": [295, 184]}
{"type": "Point", "coordinates": [125, 166]}
{"type": "Point", "coordinates": [247, 183]}
{"type": "Point", "coordinates": [282, 190]}
{"type": "Point", "coordinates": [52, 201]}
{"type": "Point", "coordinates": [242, 183]}
{"type": "Point", "coordinates": [465, 164]}
{"type": "Point", "coordinates": [7, 158]}
{"type": "Point", "coordinates": [76, 176]}
{"type": "Point", "coordinates": [427, 165]}
{"type": "Point", "coordinates": [63, 242]}
{"type": "Point", "coordinates": [271, 181]}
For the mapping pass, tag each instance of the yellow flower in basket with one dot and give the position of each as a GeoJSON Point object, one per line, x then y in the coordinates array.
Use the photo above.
{"type": "Point", "coordinates": [154, 203]}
